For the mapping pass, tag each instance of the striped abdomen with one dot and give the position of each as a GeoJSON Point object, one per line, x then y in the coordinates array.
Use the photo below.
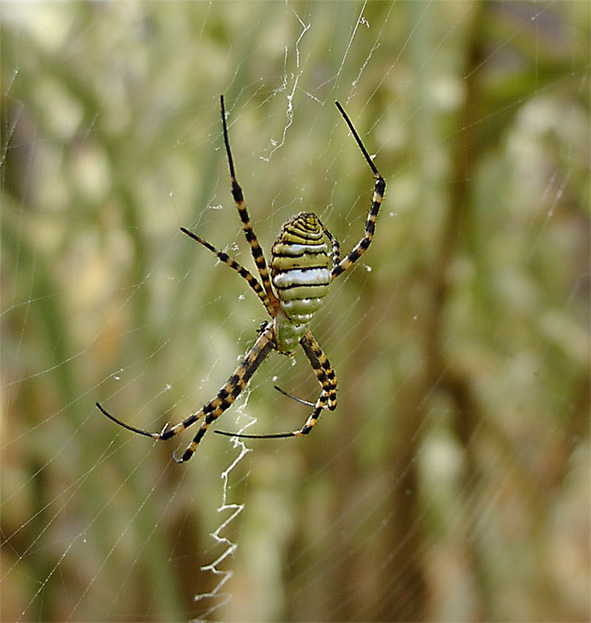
{"type": "Point", "coordinates": [300, 272]}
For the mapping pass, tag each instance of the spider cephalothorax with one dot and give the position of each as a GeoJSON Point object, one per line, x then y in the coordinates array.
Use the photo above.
{"type": "Point", "coordinates": [304, 260]}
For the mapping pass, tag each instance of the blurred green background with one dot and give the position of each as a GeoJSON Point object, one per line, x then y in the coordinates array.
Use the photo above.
{"type": "Point", "coordinates": [452, 481]}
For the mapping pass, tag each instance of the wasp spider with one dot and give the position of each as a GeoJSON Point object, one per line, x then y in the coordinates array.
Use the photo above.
{"type": "Point", "coordinates": [304, 260]}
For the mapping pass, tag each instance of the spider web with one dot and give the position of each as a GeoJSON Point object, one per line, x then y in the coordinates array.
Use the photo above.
{"type": "Point", "coordinates": [452, 481]}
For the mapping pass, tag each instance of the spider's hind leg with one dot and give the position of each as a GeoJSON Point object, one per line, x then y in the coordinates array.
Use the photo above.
{"type": "Point", "coordinates": [251, 237]}
{"type": "Point", "coordinates": [376, 202]}
{"type": "Point", "coordinates": [243, 272]}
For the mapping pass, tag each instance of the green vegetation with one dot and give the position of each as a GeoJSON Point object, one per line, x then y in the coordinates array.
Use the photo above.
{"type": "Point", "coordinates": [452, 481]}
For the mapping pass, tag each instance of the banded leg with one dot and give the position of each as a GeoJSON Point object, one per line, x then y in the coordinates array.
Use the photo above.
{"type": "Point", "coordinates": [327, 399]}
{"type": "Point", "coordinates": [231, 390]}
{"type": "Point", "coordinates": [336, 250]}
{"type": "Point", "coordinates": [238, 195]}
{"type": "Point", "coordinates": [243, 272]}
{"type": "Point", "coordinates": [378, 194]}
{"type": "Point", "coordinates": [326, 377]}
{"type": "Point", "coordinates": [214, 408]}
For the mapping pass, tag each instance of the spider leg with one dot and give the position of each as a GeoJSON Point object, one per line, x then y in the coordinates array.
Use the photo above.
{"type": "Point", "coordinates": [231, 390]}
{"type": "Point", "coordinates": [336, 250]}
{"type": "Point", "coordinates": [243, 272]}
{"type": "Point", "coordinates": [223, 400]}
{"type": "Point", "coordinates": [133, 429]}
{"type": "Point", "coordinates": [166, 432]}
{"type": "Point", "coordinates": [296, 398]}
{"type": "Point", "coordinates": [238, 195]}
{"type": "Point", "coordinates": [327, 399]}
{"type": "Point", "coordinates": [326, 377]}
{"type": "Point", "coordinates": [378, 194]}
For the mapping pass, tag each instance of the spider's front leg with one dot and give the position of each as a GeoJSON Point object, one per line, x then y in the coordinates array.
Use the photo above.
{"type": "Point", "coordinates": [234, 385]}
{"type": "Point", "coordinates": [224, 399]}
{"type": "Point", "coordinates": [327, 399]}
{"type": "Point", "coordinates": [326, 377]}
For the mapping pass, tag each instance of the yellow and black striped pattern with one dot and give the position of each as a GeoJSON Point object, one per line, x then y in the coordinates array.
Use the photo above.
{"type": "Point", "coordinates": [305, 258]}
{"type": "Point", "coordinates": [300, 274]}
{"type": "Point", "coordinates": [227, 395]}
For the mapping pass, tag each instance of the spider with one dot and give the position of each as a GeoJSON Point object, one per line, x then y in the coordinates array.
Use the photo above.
{"type": "Point", "coordinates": [292, 292]}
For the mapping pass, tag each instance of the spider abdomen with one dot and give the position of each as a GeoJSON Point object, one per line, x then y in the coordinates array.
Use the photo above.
{"type": "Point", "coordinates": [300, 271]}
